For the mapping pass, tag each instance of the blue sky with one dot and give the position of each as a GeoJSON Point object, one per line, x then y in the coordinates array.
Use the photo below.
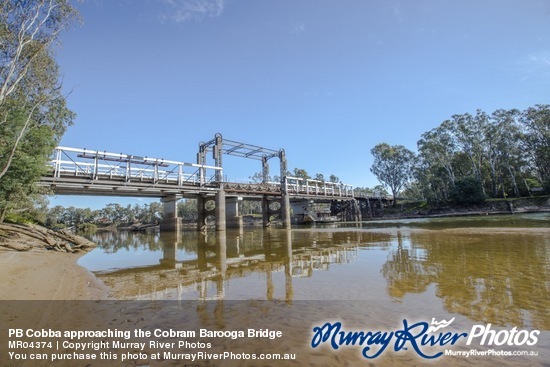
{"type": "Point", "coordinates": [324, 79]}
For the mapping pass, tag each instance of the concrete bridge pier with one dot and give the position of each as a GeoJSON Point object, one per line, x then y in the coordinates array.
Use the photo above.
{"type": "Point", "coordinates": [285, 210]}
{"type": "Point", "coordinates": [201, 212]}
{"type": "Point", "coordinates": [220, 212]}
{"type": "Point", "coordinates": [265, 211]}
{"type": "Point", "coordinates": [270, 208]}
{"type": "Point", "coordinates": [170, 242]}
{"type": "Point", "coordinates": [287, 246]}
{"type": "Point", "coordinates": [233, 219]}
{"type": "Point", "coordinates": [170, 220]}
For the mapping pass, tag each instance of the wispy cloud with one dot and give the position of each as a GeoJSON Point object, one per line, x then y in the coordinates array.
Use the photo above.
{"type": "Point", "coordinates": [397, 11]}
{"type": "Point", "coordinates": [541, 59]}
{"type": "Point", "coordinates": [180, 11]}
{"type": "Point", "coordinates": [534, 65]}
{"type": "Point", "coordinates": [298, 28]}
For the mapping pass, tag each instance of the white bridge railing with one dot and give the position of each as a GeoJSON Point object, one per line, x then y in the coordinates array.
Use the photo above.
{"type": "Point", "coordinates": [101, 165]}
{"type": "Point", "coordinates": [95, 165]}
{"type": "Point", "coordinates": [297, 185]}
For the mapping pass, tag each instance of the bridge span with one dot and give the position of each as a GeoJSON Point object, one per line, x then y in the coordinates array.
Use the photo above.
{"type": "Point", "coordinates": [76, 171]}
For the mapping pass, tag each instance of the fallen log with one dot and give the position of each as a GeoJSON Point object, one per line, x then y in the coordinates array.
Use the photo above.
{"type": "Point", "coordinates": [13, 235]}
{"type": "Point", "coordinates": [17, 246]}
{"type": "Point", "coordinates": [78, 241]}
{"type": "Point", "coordinates": [25, 230]}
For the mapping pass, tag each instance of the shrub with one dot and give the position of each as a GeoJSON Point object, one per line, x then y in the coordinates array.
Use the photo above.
{"type": "Point", "coordinates": [87, 227]}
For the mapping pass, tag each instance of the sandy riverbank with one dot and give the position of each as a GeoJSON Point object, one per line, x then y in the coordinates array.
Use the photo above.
{"type": "Point", "coordinates": [46, 275]}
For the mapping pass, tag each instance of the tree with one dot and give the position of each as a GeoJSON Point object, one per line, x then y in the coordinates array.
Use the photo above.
{"type": "Point", "coordinates": [470, 132]}
{"type": "Point", "coordinates": [301, 173]}
{"type": "Point", "coordinates": [16, 187]}
{"type": "Point", "coordinates": [33, 113]}
{"type": "Point", "coordinates": [510, 159]}
{"type": "Point", "coordinates": [320, 177]}
{"type": "Point", "coordinates": [258, 178]}
{"type": "Point", "coordinates": [392, 166]}
{"type": "Point", "coordinates": [29, 77]}
{"type": "Point", "coordinates": [468, 190]}
{"type": "Point", "coordinates": [187, 210]}
{"type": "Point", "coordinates": [438, 147]}
{"type": "Point", "coordinates": [536, 121]}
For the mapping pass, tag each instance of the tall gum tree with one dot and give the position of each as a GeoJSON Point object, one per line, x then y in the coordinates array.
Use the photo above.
{"type": "Point", "coordinates": [393, 165]}
{"type": "Point", "coordinates": [536, 122]}
{"type": "Point", "coordinates": [33, 111]}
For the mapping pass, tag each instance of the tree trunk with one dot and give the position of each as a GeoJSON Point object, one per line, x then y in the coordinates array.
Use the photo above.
{"type": "Point", "coordinates": [514, 183]}
{"type": "Point", "coordinates": [527, 186]}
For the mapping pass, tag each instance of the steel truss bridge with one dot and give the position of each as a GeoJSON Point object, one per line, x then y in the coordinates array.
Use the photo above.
{"type": "Point", "coordinates": [76, 171]}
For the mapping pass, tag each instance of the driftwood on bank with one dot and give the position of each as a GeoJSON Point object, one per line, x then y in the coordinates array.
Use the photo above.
{"type": "Point", "coordinates": [24, 237]}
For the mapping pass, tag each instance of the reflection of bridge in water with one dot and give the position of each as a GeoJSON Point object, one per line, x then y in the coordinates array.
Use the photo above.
{"type": "Point", "coordinates": [499, 276]}
{"type": "Point", "coordinates": [220, 258]}
{"type": "Point", "coordinates": [89, 172]}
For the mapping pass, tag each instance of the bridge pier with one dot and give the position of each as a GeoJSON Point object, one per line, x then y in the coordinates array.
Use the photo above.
{"type": "Point", "coordinates": [265, 211]}
{"type": "Point", "coordinates": [220, 212]}
{"type": "Point", "coordinates": [170, 220]}
{"type": "Point", "coordinates": [233, 219]}
{"type": "Point", "coordinates": [270, 208]}
{"type": "Point", "coordinates": [170, 242]}
{"type": "Point", "coordinates": [201, 212]}
{"type": "Point", "coordinates": [285, 210]}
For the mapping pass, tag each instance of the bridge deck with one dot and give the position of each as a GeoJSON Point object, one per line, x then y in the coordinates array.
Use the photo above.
{"type": "Point", "coordinates": [88, 172]}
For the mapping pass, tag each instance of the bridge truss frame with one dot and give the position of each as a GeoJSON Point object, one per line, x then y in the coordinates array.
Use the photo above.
{"type": "Point", "coordinates": [220, 146]}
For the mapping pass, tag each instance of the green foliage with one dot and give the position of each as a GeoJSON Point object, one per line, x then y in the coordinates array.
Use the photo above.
{"type": "Point", "coordinates": [393, 166]}
{"type": "Point", "coordinates": [413, 191]}
{"type": "Point", "coordinates": [28, 165]}
{"type": "Point", "coordinates": [187, 210]}
{"type": "Point", "coordinates": [467, 190]}
{"type": "Point", "coordinates": [504, 151]}
{"type": "Point", "coordinates": [33, 113]}
{"type": "Point", "coordinates": [19, 217]}
{"type": "Point", "coordinates": [111, 214]}
{"type": "Point", "coordinates": [301, 173]}
{"type": "Point", "coordinates": [536, 121]}
{"type": "Point", "coordinates": [87, 227]}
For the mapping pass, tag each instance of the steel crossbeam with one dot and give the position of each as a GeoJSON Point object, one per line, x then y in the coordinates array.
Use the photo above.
{"type": "Point", "coordinates": [240, 149]}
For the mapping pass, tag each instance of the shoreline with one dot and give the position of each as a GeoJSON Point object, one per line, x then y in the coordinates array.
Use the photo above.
{"type": "Point", "coordinates": [47, 275]}
{"type": "Point", "coordinates": [457, 214]}
{"type": "Point", "coordinates": [40, 274]}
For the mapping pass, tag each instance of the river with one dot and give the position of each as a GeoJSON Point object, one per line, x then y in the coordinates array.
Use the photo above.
{"type": "Point", "coordinates": [486, 269]}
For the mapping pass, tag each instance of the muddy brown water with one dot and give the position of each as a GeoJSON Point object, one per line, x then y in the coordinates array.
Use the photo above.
{"type": "Point", "coordinates": [370, 276]}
